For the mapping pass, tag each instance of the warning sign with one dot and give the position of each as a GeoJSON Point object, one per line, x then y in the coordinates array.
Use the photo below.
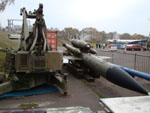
{"type": "Point", "coordinates": [52, 39]}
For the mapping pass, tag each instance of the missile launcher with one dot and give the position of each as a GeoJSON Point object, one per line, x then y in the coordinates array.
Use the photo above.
{"type": "Point", "coordinates": [34, 63]}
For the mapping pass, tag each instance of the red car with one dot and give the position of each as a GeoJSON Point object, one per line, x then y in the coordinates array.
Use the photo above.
{"type": "Point", "coordinates": [135, 47]}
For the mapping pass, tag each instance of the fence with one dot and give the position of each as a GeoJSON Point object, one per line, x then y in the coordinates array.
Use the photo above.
{"type": "Point", "coordinates": [130, 60]}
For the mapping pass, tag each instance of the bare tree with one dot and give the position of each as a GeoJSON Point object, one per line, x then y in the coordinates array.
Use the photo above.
{"type": "Point", "coordinates": [4, 3]}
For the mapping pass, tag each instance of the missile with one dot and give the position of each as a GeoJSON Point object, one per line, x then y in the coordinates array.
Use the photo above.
{"type": "Point", "coordinates": [83, 46]}
{"type": "Point", "coordinates": [109, 71]}
{"type": "Point", "coordinates": [74, 50]}
{"type": "Point", "coordinates": [112, 73]}
{"type": "Point", "coordinates": [80, 44]}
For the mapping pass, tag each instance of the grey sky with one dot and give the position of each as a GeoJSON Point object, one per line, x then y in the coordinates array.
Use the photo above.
{"type": "Point", "coordinates": [123, 16]}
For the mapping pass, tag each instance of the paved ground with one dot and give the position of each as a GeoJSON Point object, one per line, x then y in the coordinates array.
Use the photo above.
{"type": "Point", "coordinates": [107, 89]}
{"type": "Point", "coordinates": [81, 95]}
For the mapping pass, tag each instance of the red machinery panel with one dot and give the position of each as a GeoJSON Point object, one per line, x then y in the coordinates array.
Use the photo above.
{"type": "Point", "coordinates": [52, 39]}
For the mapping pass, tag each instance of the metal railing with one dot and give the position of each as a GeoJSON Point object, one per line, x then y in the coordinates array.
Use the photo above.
{"type": "Point", "coordinates": [130, 60]}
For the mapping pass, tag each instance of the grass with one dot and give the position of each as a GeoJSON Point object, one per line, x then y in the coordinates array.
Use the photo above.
{"type": "Point", "coordinates": [2, 60]}
{"type": "Point", "coordinates": [2, 56]}
{"type": "Point", "coordinates": [28, 106]}
{"type": "Point", "coordinates": [5, 42]}
{"type": "Point", "coordinates": [2, 68]}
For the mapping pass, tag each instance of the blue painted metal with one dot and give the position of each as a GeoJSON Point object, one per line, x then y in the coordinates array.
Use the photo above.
{"type": "Point", "coordinates": [30, 92]}
{"type": "Point", "coordinates": [136, 73]}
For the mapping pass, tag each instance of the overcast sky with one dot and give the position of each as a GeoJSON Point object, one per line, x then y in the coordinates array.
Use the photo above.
{"type": "Point", "coordinates": [122, 16]}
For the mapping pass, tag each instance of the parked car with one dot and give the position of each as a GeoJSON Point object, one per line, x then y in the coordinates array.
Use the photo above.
{"type": "Point", "coordinates": [135, 47]}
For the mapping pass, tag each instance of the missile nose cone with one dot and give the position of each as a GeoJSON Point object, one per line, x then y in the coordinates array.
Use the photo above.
{"type": "Point", "coordinates": [118, 76]}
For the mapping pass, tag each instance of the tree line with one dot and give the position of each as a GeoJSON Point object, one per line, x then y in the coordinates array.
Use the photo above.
{"type": "Point", "coordinates": [92, 34]}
